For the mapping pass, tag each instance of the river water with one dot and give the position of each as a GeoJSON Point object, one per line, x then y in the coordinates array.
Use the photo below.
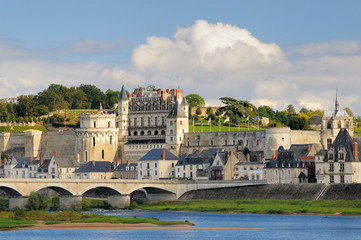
{"type": "Point", "coordinates": [272, 227]}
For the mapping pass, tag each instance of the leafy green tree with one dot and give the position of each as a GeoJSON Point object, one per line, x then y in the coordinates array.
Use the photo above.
{"type": "Point", "coordinates": [291, 109]}
{"type": "Point", "coordinates": [194, 100]}
{"type": "Point", "coordinates": [266, 111]}
{"type": "Point", "coordinates": [209, 111]}
{"type": "Point", "coordinates": [150, 88]}
{"type": "Point", "coordinates": [349, 111]}
{"type": "Point", "coordinates": [111, 98]}
{"type": "Point", "coordinates": [38, 202]}
{"type": "Point", "coordinates": [237, 108]}
{"type": "Point", "coordinates": [94, 96]}
{"type": "Point", "coordinates": [198, 111]}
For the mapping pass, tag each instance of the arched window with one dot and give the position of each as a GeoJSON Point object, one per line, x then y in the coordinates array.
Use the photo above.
{"type": "Point", "coordinates": [156, 132]}
{"type": "Point", "coordinates": [142, 133]}
{"type": "Point", "coordinates": [102, 153]}
{"type": "Point", "coordinates": [135, 133]}
{"type": "Point", "coordinates": [149, 133]}
{"type": "Point", "coordinates": [93, 141]}
{"type": "Point", "coordinates": [109, 124]}
{"type": "Point", "coordinates": [163, 132]}
{"type": "Point", "coordinates": [95, 124]}
{"type": "Point", "coordinates": [111, 140]}
{"type": "Point", "coordinates": [329, 125]}
{"type": "Point", "coordinates": [339, 124]}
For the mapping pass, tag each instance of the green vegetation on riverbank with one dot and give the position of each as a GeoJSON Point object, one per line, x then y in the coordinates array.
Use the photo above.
{"type": "Point", "coordinates": [270, 206]}
{"type": "Point", "coordinates": [20, 218]}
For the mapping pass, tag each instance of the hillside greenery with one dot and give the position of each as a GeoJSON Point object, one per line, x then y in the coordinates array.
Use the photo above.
{"type": "Point", "coordinates": [60, 106]}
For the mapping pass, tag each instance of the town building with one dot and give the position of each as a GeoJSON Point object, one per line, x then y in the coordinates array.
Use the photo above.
{"type": "Point", "coordinates": [340, 163]}
{"type": "Point", "coordinates": [286, 167]}
{"type": "Point", "coordinates": [157, 164]}
{"type": "Point", "coordinates": [96, 170]}
{"type": "Point", "coordinates": [245, 170]}
{"type": "Point", "coordinates": [126, 171]}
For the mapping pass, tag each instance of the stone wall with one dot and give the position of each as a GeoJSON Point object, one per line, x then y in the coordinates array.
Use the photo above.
{"type": "Point", "coordinates": [270, 191]}
{"type": "Point", "coordinates": [301, 137]}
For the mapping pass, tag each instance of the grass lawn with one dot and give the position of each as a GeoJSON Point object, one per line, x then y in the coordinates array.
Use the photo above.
{"type": "Point", "coordinates": [271, 206]}
{"type": "Point", "coordinates": [21, 129]}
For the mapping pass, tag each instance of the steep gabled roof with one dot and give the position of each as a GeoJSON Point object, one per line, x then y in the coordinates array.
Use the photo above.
{"type": "Point", "coordinates": [301, 150]}
{"type": "Point", "coordinates": [123, 166]}
{"type": "Point", "coordinates": [344, 140]}
{"type": "Point", "coordinates": [123, 94]}
{"type": "Point", "coordinates": [184, 101]}
{"type": "Point", "coordinates": [95, 166]}
{"type": "Point", "coordinates": [315, 120]}
{"type": "Point", "coordinates": [285, 159]}
{"type": "Point", "coordinates": [177, 112]}
{"type": "Point", "coordinates": [44, 167]}
{"type": "Point", "coordinates": [66, 162]}
{"type": "Point", "coordinates": [156, 154]}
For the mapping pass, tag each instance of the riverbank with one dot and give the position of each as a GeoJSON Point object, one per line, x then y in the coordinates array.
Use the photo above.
{"type": "Point", "coordinates": [68, 219]}
{"type": "Point", "coordinates": [269, 206]}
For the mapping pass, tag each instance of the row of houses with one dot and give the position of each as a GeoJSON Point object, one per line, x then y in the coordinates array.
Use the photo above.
{"type": "Point", "coordinates": [301, 163]}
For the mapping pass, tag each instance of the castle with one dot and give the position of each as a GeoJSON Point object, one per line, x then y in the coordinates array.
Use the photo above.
{"type": "Point", "coordinates": [144, 120]}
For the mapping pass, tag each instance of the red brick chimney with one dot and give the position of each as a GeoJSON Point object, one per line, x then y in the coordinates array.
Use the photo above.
{"type": "Point", "coordinates": [119, 161]}
{"type": "Point", "coordinates": [31, 159]}
{"type": "Point", "coordinates": [260, 158]}
{"type": "Point", "coordinates": [41, 160]}
{"type": "Point", "coordinates": [110, 168]}
{"type": "Point", "coordinates": [273, 157]}
{"type": "Point", "coordinates": [308, 148]}
{"type": "Point", "coordinates": [355, 149]}
{"type": "Point", "coordinates": [128, 162]}
{"type": "Point", "coordinates": [276, 154]}
{"type": "Point", "coordinates": [55, 153]}
{"type": "Point", "coordinates": [78, 157]}
{"type": "Point", "coordinates": [248, 158]}
{"type": "Point", "coordinates": [163, 154]}
{"type": "Point", "coordinates": [329, 143]}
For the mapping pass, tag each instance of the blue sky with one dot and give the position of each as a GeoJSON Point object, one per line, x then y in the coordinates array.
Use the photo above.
{"type": "Point", "coordinates": [294, 52]}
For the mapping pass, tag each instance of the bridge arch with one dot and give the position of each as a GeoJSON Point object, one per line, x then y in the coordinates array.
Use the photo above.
{"type": "Point", "coordinates": [109, 190]}
{"type": "Point", "coordinates": [150, 188]}
{"type": "Point", "coordinates": [60, 189]}
{"type": "Point", "coordinates": [11, 191]}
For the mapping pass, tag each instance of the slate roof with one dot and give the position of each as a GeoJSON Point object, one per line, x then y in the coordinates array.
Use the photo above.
{"type": "Point", "coordinates": [205, 157]}
{"type": "Point", "coordinates": [182, 160]}
{"type": "Point", "coordinates": [285, 159]}
{"type": "Point", "coordinates": [249, 163]}
{"type": "Point", "coordinates": [95, 166]}
{"type": "Point", "coordinates": [156, 154]}
{"type": "Point", "coordinates": [123, 94]}
{"type": "Point", "coordinates": [21, 161]}
{"type": "Point", "coordinates": [301, 150]}
{"type": "Point", "coordinates": [177, 112]}
{"type": "Point", "coordinates": [184, 102]}
{"type": "Point", "coordinates": [338, 113]}
{"type": "Point", "coordinates": [344, 140]}
{"type": "Point", "coordinates": [44, 168]}
{"type": "Point", "coordinates": [66, 162]}
{"type": "Point", "coordinates": [315, 120]}
{"type": "Point", "coordinates": [123, 166]}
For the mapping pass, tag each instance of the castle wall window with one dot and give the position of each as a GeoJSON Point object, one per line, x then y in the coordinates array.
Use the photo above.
{"type": "Point", "coordinates": [95, 124]}
{"type": "Point", "coordinates": [171, 123]}
{"type": "Point", "coordinates": [156, 121]}
{"type": "Point", "coordinates": [329, 125]}
{"type": "Point", "coordinates": [111, 140]}
{"type": "Point", "coordinates": [102, 153]}
{"type": "Point", "coordinates": [86, 156]}
{"type": "Point", "coordinates": [156, 132]}
{"type": "Point", "coordinates": [171, 139]}
{"type": "Point", "coordinates": [342, 167]}
{"type": "Point", "coordinates": [171, 131]}
{"type": "Point", "coordinates": [149, 133]}
{"type": "Point", "coordinates": [135, 133]}
{"type": "Point", "coordinates": [142, 133]}
{"type": "Point", "coordinates": [93, 141]}
{"type": "Point", "coordinates": [109, 124]}
{"type": "Point", "coordinates": [163, 132]}
{"type": "Point", "coordinates": [180, 123]}
{"type": "Point", "coordinates": [331, 167]}
{"type": "Point", "coordinates": [339, 124]}
{"type": "Point", "coordinates": [211, 143]}
{"type": "Point", "coordinates": [332, 179]}
{"type": "Point", "coordinates": [163, 121]}
{"type": "Point", "coordinates": [342, 179]}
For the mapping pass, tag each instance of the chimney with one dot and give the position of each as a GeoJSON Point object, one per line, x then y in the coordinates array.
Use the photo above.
{"type": "Point", "coordinates": [227, 155]}
{"type": "Point", "coordinates": [119, 161]}
{"type": "Point", "coordinates": [163, 154]}
{"type": "Point", "coordinates": [355, 149]}
{"type": "Point", "coordinates": [248, 157]}
{"type": "Point", "coordinates": [276, 154]}
{"type": "Point", "coordinates": [194, 150]}
{"type": "Point", "coordinates": [259, 158]}
{"type": "Point", "coordinates": [55, 153]}
{"type": "Point", "coordinates": [273, 157]}
{"type": "Point", "coordinates": [41, 160]}
{"type": "Point", "coordinates": [329, 143]}
{"type": "Point", "coordinates": [110, 168]}
{"type": "Point", "coordinates": [78, 157]}
{"type": "Point", "coordinates": [128, 162]}
{"type": "Point", "coordinates": [308, 148]}
{"type": "Point", "coordinates": [31, 159]}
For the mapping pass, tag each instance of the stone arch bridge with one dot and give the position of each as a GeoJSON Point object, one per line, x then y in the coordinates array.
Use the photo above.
{"type": "Point", "coordinates": [71, 190]}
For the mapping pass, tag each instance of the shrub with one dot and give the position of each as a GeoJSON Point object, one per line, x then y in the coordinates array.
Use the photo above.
{"type": "Point", "coordinates": [38, 201]}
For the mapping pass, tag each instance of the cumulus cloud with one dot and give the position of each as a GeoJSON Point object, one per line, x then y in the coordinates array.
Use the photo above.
{"type": "Point", "coordinates": [213, 60]}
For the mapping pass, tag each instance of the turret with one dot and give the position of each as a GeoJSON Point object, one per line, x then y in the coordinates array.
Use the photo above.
{"type": "Point", "coordinates": [122, 116]}
{"type": "Point", "coordinates": [177, 125]}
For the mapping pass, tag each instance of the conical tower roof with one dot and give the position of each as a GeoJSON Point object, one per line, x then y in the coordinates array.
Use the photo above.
{"type": "Point", "coordinates": [177, 112]}
{"type": "Point", "coordinates": [123, 94]}
{"type": "Point", "coordinates": [100, 107]}
{"type": "Point", "coordinates": [184, 102]}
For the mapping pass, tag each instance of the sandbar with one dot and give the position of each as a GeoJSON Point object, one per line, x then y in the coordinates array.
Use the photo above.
{"type": "Point", "coordinates": [117, 226]}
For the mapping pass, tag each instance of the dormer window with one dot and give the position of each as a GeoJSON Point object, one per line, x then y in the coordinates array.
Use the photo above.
{"type": "Point", "coordinates": [341, 155]}
{"type": "Point", "coordinates": [330, 156]}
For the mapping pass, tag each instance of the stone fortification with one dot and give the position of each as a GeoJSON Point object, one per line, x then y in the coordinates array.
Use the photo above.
{"type": "Point", "coordinates": [35, 143]}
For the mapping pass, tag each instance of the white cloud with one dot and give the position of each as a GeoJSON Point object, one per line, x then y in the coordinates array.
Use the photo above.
{"type": "Point", "coordinates": [213, 60]}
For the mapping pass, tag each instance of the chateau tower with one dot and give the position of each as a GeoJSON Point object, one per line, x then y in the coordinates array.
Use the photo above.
{"type": "Point", "coordinates": [177, 125]}
{"type": "Point", "coordinates": [122, 120]}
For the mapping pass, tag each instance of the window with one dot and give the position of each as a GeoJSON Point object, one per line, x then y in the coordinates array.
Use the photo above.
{"type": "Point", "coordinates": [171, 123]}
{"type": "Point", "coordinates": [342, 179]}
{"type": "Point", "coordinates": [86, 156]}
{"type": "Point", "coordinates": [342, 167]}
{"type": "Point", "coordinates": [109, 124]}
{"type": "Point", "coordinates": [163, 121]}
{"type": "Point", "coordinates": [147, 165]}
{"type": "Point", "coordinates": [171, 131]}
{"type": "Point", "coordinates": [331, 167]}
{"type": "Point", "coordinates": [95, 124]}
{"type": "Point", "coordinates": [211, 143]}
{"type": "Point", "coordinates": [93, 141]}
{"type": "Point", "coordinates": [142, 122]}
{"type": "Point", "coordinates": [111, 140]}
{"type": "Point", "coordinates": [342, 155]}
{"type": "Point", "coordinates": [102, 153]}
{"type": "Point", "coordinates": [52, 170]}
{"type": "Point", "coordinates": [155, 173]}
{"type": "Point", "coordinates": [156, 122]}
{"type": "Point", "coordinates": [171, 139]}
{"type": "Point", "coordinates": [149, 121]}
{"type": "Point", "coordinates": [332, 180]}
{"type": "Point", "coordinates": [180, 123]}
{"type": "Point", "coordinates": [155, 164]}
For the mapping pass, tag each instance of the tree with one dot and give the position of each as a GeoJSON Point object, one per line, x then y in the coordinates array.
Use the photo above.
{"type": "Point", "coordinates": [209, 111]}
{"type": "Point", "coordinates": [237, 108]}
{"type": "Point", "coordinates": [198, 111]}
{"type": "Point", "coordinates": [94, 96]}
{"type": "Point", "coordinates": [194, 100]}
{"type": "Point", "coordinates": [111, 98]}
{"type": "Point", "coordinates": [150, 88]}
{"type": "Point", "coordinates": [38, 202]}
{"type": "Point", "coordinates": [349, 112]}
{"type": "Point", "coordinates": [291, 109]}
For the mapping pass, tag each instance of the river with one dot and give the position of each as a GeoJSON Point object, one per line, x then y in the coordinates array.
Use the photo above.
{"type": "Point", "coordinates": [272, 227]}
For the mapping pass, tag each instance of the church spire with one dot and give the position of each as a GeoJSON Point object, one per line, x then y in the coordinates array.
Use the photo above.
{"type": "Point", "coordinates": [336, 103]}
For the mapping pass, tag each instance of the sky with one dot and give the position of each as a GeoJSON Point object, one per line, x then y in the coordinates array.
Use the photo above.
{"type": "Point", "coordinates": [267, 52]}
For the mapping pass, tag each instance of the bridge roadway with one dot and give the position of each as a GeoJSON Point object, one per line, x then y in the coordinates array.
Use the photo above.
{"type": "Point", "coordinates": [118, 190]}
